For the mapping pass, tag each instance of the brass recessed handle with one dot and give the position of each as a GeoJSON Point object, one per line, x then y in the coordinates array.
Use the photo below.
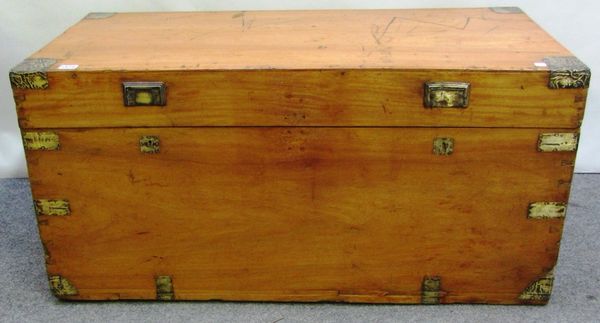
{"type": "Point", "coordinates": [446, 94]}
{"type": "Point", "coordinates": [144, 93]}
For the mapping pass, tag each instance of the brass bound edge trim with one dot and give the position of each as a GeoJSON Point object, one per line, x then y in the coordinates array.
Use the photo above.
{"type": "Point", "coordinates": [52, 207]}
{"type": "Point", "coordinates": [506, 9]}
{"type": "Point", "coordinates": [567, 72]}
{"type": "Point", "coordinates": [547, 210]}
{"type": "Point", "coordinates": [565, 141]}
{"type": "Point", "coordinates": [31, 74]}
{"type": "Point", "coordinates": [61, 287]}
{"type": "Point", "coordinates": [431, 290]}
{"type": "Point", "coordinates": [164, 288]}
{"type": "Point", "coordinates": [99, 15]}
{"type": "Point", "coordinates": [539, 291]}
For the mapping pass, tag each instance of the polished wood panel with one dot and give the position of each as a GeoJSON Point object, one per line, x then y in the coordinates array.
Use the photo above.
{"type": "Point", "coordinates": [462, 39]}
{"type": "Point", "coordinates": [307, 214]}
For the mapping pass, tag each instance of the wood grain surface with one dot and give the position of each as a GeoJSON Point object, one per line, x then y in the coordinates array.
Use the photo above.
{"type": "Point", "coordinates": [307, 214]}
{"type": "Point", "coordinates": [462, 39]}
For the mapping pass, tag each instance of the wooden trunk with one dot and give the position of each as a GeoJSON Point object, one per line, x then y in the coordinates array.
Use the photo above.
{"type": "Point", "coordinates": [385, 156]}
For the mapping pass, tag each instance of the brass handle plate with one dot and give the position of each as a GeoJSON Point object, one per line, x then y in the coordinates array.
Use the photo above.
{"type": "Point", "coordinates": [446, 94]}
{"type": "Point", "coordinates": [144, 93]}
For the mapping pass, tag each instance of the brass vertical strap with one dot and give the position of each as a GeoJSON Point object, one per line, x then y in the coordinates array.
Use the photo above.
{"type": "Point", "coordinates": [164, 288]}
{"type": "Point", "coordinates": [430, 290]}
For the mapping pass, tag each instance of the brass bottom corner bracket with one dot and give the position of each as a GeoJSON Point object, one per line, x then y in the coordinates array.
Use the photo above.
{"type": "Point", "coordinates": [61, 286]}
{"type": "Point", "coordinates": [539, 291]}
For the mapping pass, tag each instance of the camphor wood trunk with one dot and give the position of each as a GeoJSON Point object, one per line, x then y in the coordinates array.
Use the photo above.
{"type": "Point", "coordinates": [384, 156]}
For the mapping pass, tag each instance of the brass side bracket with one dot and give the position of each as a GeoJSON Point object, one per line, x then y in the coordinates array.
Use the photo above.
{"type": "Point", "coordinates": [31, 74]}
{"type": "Point", "coordinates": [565, 141]}
{"type": "Point", "coordinates": [164, 288]}
{"type": "Point", "coordinates": [567, 72]}
{"type": "Point", "coordinates": [41, 140]}
{"type": "Point", "coordinates": [539, 291]}
{"type": "Point", "coordinates": [431, 290]}
{"type": "Point", "coordinates": [547, 210]}
{"type": "Point", "coordinates": [52, 207]}
{"type": "Point", "coordinates": [61, 287]}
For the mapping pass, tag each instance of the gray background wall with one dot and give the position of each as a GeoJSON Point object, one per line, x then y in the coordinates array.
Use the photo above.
{"type": "Point", "coordinates": [27, 25]}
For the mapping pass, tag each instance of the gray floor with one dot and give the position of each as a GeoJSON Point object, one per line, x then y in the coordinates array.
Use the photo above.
{"type": "Point", "coordinates": [26, 298]}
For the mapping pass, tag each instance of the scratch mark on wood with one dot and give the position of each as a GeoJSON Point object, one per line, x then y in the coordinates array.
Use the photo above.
{"type": "Point", "coordinates": [467, 22]}
{"type": "Point", "coordinates": [412, 29]}
{"type": "Point", "coordinates": [492, 29]}
{"type": "Point", "coordinates": [131, 177]}
{"type": "Point", "coordinates": [246, 24]}
{"type": "Point", "coordinates": [375, 30]}
{"type": "Point", "coordinates": [384, 109]}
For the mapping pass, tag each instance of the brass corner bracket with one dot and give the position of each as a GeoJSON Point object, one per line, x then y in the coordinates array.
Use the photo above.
{"type": "Point", "coordinates": [164, 288]}
{"type": "Point", "coordinates": [31, 74]}
{"type": "Point", "coordinates": [539, 291]}
{"type": "Point", "coordinates": [567, 72]}
{"type": "Point", "coordinates": [61, 287]}
{"type": "Point", "coordinates": [431, 290]}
